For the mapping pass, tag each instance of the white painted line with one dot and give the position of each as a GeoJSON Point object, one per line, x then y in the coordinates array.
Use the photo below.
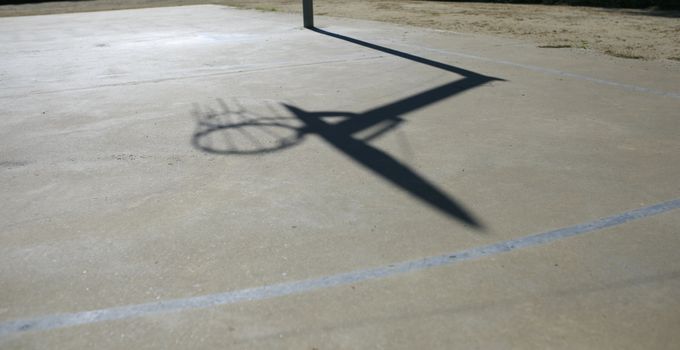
{"type": "Point", "coordinates": [213, 72]}
{"type": "Point", "coordinates": [43, 323]}
{"type": "Point", "coordinates": [550, 71]}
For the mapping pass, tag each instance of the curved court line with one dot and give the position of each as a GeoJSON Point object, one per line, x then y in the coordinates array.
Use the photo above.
{"type": "Point", "coordinates": [213, 72]}
{"type": "Point", "coordinates": [550, 71]}
{"type": "Point", "coordinates": [48, 322]}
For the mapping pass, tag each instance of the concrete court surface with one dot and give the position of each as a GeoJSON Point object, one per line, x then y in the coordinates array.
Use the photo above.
{"type": "Point", "coordinates": [156, 155]}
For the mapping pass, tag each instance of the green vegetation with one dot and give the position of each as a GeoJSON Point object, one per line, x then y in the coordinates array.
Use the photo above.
{"type": "Point", "coordinates": [661, 4]}
{"type": "Point", "coordinates": [623, 54]}
{"type": "Point", "coordinates": [266, 9]}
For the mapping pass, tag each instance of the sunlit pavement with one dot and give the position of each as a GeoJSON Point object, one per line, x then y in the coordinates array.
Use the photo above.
{"type": "Point", "coordinates": [148, 157]}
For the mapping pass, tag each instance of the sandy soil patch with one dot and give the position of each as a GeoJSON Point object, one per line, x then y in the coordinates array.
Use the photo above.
{"type": "Point", "coordinates": [642, 34]}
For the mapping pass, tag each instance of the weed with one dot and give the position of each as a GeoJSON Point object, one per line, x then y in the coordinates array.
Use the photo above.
{"type": "Point", "coordinates": [623, 54]}
{"type": "Point", "coordinates": [555, 46]}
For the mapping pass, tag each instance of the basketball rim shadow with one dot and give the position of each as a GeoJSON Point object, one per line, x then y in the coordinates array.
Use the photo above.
{"type": "Point", "coordinates": [341, 135]}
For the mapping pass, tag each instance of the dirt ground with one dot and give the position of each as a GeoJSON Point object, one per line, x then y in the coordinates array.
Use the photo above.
{"type": "Point", "coordinates": [635, 34]}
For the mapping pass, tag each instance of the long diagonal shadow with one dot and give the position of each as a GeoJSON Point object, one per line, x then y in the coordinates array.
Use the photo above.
{"type": "Point", "coordinates": [341, 135]}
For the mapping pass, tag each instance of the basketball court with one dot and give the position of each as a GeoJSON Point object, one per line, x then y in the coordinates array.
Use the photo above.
{"type": "Point", "coordinates": [203, 176]}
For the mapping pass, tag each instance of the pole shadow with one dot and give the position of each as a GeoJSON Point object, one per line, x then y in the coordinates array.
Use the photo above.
{"type": "Point", "coordinates": [281, 132]}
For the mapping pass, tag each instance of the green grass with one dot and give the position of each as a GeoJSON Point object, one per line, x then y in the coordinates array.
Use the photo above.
{"type": "Point", "coordinates": [266, 9]}
{"type": "Point", "coordinates": [623, 54]}
{"type": "Point", "coordinates": [555, 46]}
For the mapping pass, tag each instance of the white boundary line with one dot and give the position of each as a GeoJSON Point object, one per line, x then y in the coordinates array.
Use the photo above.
{"type": "Point", "coordinates": [549, 71]}
{"type": "Point", "coordinates": [47, 322]}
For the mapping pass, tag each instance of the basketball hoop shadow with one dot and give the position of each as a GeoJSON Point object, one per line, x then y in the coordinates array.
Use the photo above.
{"type": "Point", "coordinates": [244, 132]}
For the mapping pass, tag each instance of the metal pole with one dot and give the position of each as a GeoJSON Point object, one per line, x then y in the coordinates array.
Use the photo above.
{"type": "Point", "coordinates": [308, 13]}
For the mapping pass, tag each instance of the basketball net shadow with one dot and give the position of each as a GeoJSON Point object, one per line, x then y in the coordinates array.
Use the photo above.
{"type": "Point", "coordinates": [244, 132]}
